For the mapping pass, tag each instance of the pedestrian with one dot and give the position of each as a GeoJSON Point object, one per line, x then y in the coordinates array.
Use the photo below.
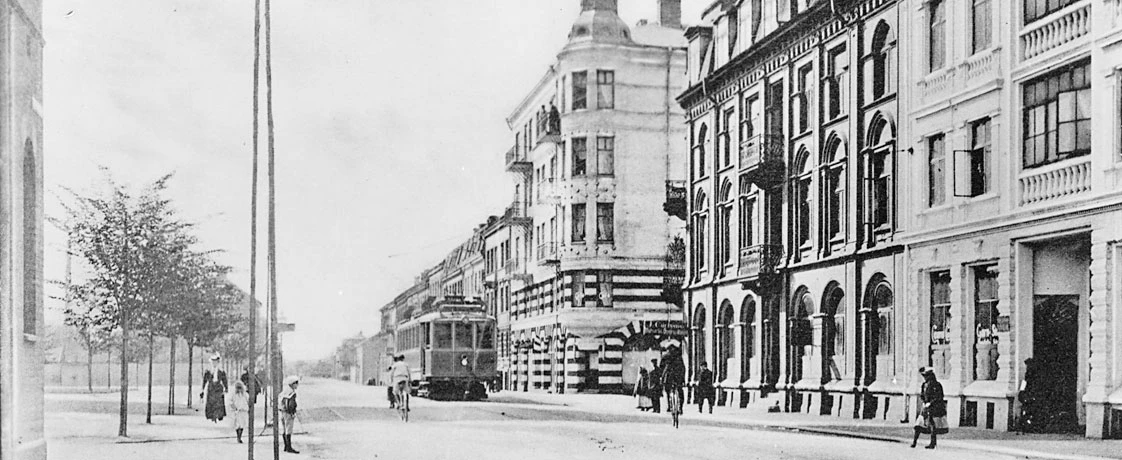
{"type": "Point", "coordinates": [673, 378]}
{"type": "Point", "coordinates": [214, 390]}
{"type": "Point", "coordinates": [654, 386]}
{"type": "Point", "coordinates": [254, 388]}
{"type": "Point", "coordinates": [933, 416]}
{"type": "Point", "coordinates": [642, 390]}
{"type": "Point", "coordinates": [705, 390]}
{"type": "Point", "coordinates": [288, 411]}
{"type": "Point", "coordinates": [239, 406]}
{"type": "Point", "coordinates": [389, 396]}
{"type": "Point", "coordinates": [1030, 395]}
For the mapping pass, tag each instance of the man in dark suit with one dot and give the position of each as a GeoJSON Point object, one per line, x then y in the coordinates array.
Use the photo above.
{"type": "Point", "coordinates": [705, 390]}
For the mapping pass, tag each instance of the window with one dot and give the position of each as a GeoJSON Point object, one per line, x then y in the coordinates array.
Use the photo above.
{"type": "Point", "coordinates": [31, 221]}
{"type": "Point", "coordinates": [486, 335]}
{"type": "Point", "coordinates": [801, 99]}
{"type": "Point", "coordinates": [729, 123]}
{"type": "Point", "coordinates": [605, 222]}
{"type": "Point", "coordinates": [881, 175]}
{"type": "Point", "coordinates": [802, 198]}
{"type": "Point", "coordinates": [981, 32]}
{"type": "Point", "coordinates": [937, 35]}
{"type": "Point", "coordinates": [936, 171]}
{"type": "Point", "coordinates": [879, 56]}
{"type": "Point", "coordinates": [443, 335]}
{"type": "Point", "coordinates": [702, 224]}
{"type": "Point", "coordinates": [1057, 116]}
{"type": "Point", "coordinates": [605, 155]}
{"type": "Point", "coordinates": [578, 289]}
{"type": "Point", "coordinates": [562, 91]}
{"type": "Point", "coordinates": [605, 89]}
{"type": "Point", "coordinates": [749, 118]}
{"type": "Point", "coordinates": [879, 170]}
{"type": "Point", "coordinates": [833, 188]}
{"type": "Point", "coordinates": [604, 290]}
{"type": "Point", "coordinates": [724, 224]}
{"type": "Point", "coordinates": [986, 317]}
{"type": "Point", "coordinates": [1036, 9]}
{"type": "Point", "coordinates": [578, 223]}
{"type": "Point", "coordinates": [978, 181]}
{"type": "Point", "coordinates": [580, 156]}
{"type": "Point", "coordinates": [580, 90]}
{"type": "Point", "coordinates": [773, 112]}
{"type": "Point", "coordinates": [940, 321]}
{"type": "Point", "coordinates": [699, 149]}
{"type": "Point", "coordinates": [747, 221]}
{"type": "Point", "coordinates": [462, 336]}
{"type": "Point", "coordinates": [836, 82]}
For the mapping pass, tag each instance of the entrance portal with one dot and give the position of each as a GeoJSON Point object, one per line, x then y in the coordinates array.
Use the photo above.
{"type": "Point", "coordinates": [1051, 390]}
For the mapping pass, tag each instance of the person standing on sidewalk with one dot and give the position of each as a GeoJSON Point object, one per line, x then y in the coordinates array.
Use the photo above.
{"type": "Point", "coordinates": [239, 406]}
{"type": "Point", "coordinates": [705, 390]}
{"type": "Point", "coordinates": [287, 406]}
{"type": "Point", "coordinates": [214, 390]}
{"type": "Point", "coordinates": [654, 386]}
{"type": "Point", "coordinates": [642, 388]}
{"type": "Point", "coordinates": [933, 416]}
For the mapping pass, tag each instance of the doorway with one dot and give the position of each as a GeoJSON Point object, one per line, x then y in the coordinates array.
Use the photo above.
{"type": "Point", "coordinates": [1051, 397]}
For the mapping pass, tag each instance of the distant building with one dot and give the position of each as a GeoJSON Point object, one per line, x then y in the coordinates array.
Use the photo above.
{"type": "Point", "coordinates": [577, 264]}
{"type": "Point", "coordinates": [21, 309]}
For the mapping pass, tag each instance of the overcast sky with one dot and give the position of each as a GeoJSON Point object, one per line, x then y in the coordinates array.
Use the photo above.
{"type": "Point", "coordinates": [390, 129]}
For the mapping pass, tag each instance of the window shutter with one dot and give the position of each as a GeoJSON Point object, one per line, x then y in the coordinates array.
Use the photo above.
{"type": "Point", "coordinates": [963, 183]}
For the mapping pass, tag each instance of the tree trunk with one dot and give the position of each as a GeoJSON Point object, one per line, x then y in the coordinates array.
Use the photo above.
{"type": "Point", "coordinates": [89, 366]}
{"type": "Point", "coordinates": [109, 367]}
{"type": "Point", "coordinates": [151, 352]}
{"type": "Point", "coordinates": [171, 379]}
{"type": "Point", "coordinates": [123, 424]}
{"type": "Point", "coordinates": [190, 373]}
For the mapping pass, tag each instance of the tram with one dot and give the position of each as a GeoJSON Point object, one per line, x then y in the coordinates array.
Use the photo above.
{"type": "Point", "coordinates": [450, 349]}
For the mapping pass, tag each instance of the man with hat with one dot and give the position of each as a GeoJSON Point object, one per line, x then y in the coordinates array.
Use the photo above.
{"type": "Point", "coordinates": [287, 407]}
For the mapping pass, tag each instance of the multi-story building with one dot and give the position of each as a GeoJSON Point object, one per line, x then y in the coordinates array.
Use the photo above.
{"type": "Point", "coordinates": [581, 253]}
{"type": "Point", "coordinates": [794, 249]}
{"type": "Point", "coordinates": [955, 207]}
{"type": "Point", "coordinates": [1017, 209]}
{"type": "Point", "coordinates": [21, 214]}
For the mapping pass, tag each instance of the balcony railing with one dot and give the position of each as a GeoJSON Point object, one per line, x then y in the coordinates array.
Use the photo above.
{"type": "Point", "coordinates": [1059, 28]}
{"type": "Point", "coordinates": [1055, 183]}
{"type": "Point", "coordinates": [517, 214]}
{"type": "Point", "coordinates": [547, 253]}
{"type": "Point", "coordinates": [516, 161]}
{"type": "Point", "coordinates": [761, 259]}
{"type": "Point", "coordinates": [761, 159]}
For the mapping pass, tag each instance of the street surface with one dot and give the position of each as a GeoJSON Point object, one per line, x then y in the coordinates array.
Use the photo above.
{"type": "Point", "coordinates": [344, 421]}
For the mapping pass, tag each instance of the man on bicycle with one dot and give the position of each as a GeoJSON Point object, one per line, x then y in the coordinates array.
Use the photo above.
{"type": "Point", "coordinates": [400, 377]}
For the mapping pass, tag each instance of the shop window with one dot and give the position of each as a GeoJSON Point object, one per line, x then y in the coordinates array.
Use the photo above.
{"type": "Point", "coordinates": [986, 323]}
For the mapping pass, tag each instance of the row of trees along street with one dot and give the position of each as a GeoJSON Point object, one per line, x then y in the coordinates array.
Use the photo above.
{"type": "Point", "coordinates": [145, 278]}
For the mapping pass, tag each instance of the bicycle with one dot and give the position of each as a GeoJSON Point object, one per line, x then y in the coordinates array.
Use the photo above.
{"type": "Point", "coordinates": [402, 401]}
{"type": "Point", "coordinates": [674, 404]}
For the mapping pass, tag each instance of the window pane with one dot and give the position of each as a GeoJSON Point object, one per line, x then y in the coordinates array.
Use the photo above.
{"type": "Point", "coordinates": [578, 223]}
{"type": "Point", "coordinates": [580, 156]}
{"type": "Point", "coordinates": [605, 155]}
{"type": "Point", "coordinates": [486, 335]}
{"type": "Point", "coordinates": [580, 90]}
{"type": "Point", "coordinates": [443, 335]}
{"type": "Point", "coordinates": [463, 338]}
{"type": "Point", "coordinates": [605, 89]}
{"type": "Point", "coordinates": [605, 222]}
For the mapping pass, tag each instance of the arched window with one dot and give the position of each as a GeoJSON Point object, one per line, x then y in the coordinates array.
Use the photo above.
{"type": "Point", "coordinates": [882, 309]}
{"type": "Point", "coordinates": [802, 197]}
{"type": "Point", "coordinates": [30, 240]}
{"type": "Point", "coordinates": [748, 336]}
{"type": "Point", "coordinates": [833, 176]}
{"type": "Point", "coordinates": [880, 61]}
{"type": "Point", "coordinates": [803, 346]}
{"type": "Point", "coordinates": [724, 223]}
{"type": "Point", "coordinates": [699, 149]}
{"type": "Point", "coordinates": [833, 330]}
{"type": "Point", "coordinates": [723, 345]}
{"type": "Point", "coordinates": [698, 230]}
{"type": "Point", "coordinates": [879, 168]}
{"type": "Point", "coordinates": [698, 330]}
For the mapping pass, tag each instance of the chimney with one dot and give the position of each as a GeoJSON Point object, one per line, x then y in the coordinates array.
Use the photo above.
{"type": "Point", "coordinates": [670, 13]}
{"type": "Point", "coordinates": [601, 5]}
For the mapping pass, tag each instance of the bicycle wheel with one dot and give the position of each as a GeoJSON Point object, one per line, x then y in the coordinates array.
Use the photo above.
{"type": "Point", "coordinates": [405, 412]}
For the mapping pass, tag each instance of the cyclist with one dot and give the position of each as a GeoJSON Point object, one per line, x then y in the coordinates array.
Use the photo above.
{"type": "Point", "coordinates": [673, 377]}
{"type": "Point", "coordinates": [399, 378]}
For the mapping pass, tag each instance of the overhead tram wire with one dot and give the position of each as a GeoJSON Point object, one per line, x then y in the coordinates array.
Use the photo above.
{"type": "Point", "coordinates": [253, 231]}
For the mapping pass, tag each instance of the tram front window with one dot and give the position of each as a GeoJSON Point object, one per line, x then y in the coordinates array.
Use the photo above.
{"type": "Point", "coordinates": [463, 337]}
{"type": "Point", "coordinates": [486, 335]}
{"type": "Point", "coordinates": [443, 335]}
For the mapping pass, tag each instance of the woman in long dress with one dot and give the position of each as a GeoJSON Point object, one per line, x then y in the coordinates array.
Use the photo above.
{"type": "Point", "coordinates": [933, 417]}
{"type": "Point", "coordinates": [214, 390]}
{"type": "Point", "coordinates": [239, 405]}
{"type": "Point", "coordinates": [641, 390]}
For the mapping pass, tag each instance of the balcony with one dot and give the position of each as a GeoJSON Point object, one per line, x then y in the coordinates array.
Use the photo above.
{"type": "Point", "coordinates": [1051, 183]}
{"type": "Point", "coordinates": [547, 254]}
{"type": "Point", "coordinates": [761, 160]}
{"type": "Point", "coordinates": [759, 260]}
{"type": "Point", "coordinates": [1056, 29]}
{"type": "Point", "coordinates": [517, 214]}
{"type": "Point", "coordinates": [548, 191]}
{"type": "Point", "coordinates": [517, 162]}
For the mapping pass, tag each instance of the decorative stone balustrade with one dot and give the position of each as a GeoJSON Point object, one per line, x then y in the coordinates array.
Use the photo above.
{"type": "Point", "coordinates": [981, 67]}
{"type": "Point", "coordinates": [975, 70]}
{"type": "Point", "coordinates": [1055, 183]}
{"type": "Point", "coordinates": [935, 86]}
{"type": "Point", "coordinates": [1056, 29]}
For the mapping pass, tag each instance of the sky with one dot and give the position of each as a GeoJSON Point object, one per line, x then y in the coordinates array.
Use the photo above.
{"type": "Point", "coordinates": [390, 129]}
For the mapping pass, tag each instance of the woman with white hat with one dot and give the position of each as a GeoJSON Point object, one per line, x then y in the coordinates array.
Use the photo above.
{"type": "Point", "coordinates": [214, 390]}
{"type": "Point", "coordinates": [287, 408]}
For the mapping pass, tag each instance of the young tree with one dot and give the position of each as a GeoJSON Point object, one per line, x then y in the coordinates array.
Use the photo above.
{"type": "Point", "coordinates": [93, 322]}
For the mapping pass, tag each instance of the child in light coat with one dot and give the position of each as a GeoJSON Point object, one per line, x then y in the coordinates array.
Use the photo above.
{"type": "Point", "coordinates": [239, 407]}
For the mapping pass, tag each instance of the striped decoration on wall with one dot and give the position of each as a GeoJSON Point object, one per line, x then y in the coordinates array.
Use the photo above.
{"type": "Point", "coordinates": [536, 366]}
{"type": "Point", "coordinates": [611, 365]}
{"type": "Point", "coordinates": [576, 366]}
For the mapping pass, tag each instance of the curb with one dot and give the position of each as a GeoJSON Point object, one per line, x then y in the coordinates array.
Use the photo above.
{"type": "Point", "coordinates": [956, 444]}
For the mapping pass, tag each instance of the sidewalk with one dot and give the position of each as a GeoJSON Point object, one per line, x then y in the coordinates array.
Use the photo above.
{"type": "Point", "coordinates": [1052, 446]}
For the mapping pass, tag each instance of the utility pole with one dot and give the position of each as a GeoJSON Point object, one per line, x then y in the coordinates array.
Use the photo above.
{"type": "Point", "coordinates": [253, 380]}
{"type": "Point", "coordinates": [272, 237]}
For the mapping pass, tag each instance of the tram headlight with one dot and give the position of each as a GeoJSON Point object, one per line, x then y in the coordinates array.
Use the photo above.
{"type": "Point", "coordinates": [464, 360]}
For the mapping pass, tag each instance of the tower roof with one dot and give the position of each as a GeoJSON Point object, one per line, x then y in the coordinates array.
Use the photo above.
{"type": "Point", "coordinates": [599, 22]}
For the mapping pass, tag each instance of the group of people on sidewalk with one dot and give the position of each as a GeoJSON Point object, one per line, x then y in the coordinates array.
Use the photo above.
{"type": "Point", "coordinates": [664, 378]}
{"type": "Point", "coordinates": [217, 398]}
